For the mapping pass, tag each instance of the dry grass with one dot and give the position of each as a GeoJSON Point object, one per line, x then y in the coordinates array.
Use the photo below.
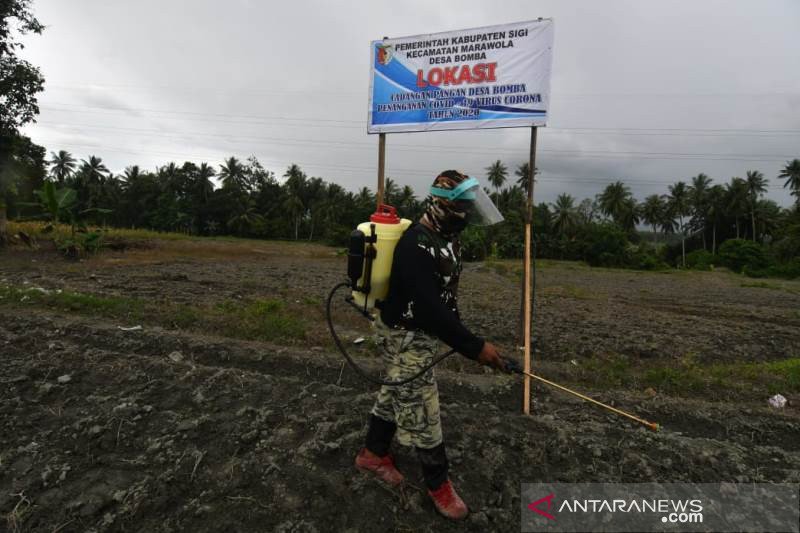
{"type": "Point", "coordinates": [213, 250]}
{"type": "Point", "coordinates": [135, 246]}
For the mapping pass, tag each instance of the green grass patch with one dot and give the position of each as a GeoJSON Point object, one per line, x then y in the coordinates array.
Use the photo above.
{"type": "Point", "coordinates": [96, 304]}
{"type": "Point", "coordinates": [772, 377]}
{"type": "Point", "coordinates": [674, 380]}
{"type": "Point", "coordinates": [614, 371]}
{"type": "Point", "coordinates": [85, 304]}
{"type": "Point", "coordinates": [268, 320]}
{"type": "Point", "coordinates": [260, 319]}
{"type": "Point", "coordinates": [312, 300]}
{"type": "Point", "coordinates": [690, 378]}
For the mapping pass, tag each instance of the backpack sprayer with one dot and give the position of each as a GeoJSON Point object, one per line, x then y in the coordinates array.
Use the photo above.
{"type": "Point", "coordinates": [369, 265]}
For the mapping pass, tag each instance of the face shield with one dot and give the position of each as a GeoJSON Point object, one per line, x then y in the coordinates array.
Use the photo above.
{"type": "Point", "coordinates": [471, 199]}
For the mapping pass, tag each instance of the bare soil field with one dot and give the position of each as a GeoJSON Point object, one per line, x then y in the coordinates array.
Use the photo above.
{"type": "Point", "coordinates": [191, 385]}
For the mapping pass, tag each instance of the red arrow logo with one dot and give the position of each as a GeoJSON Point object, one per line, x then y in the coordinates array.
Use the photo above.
{"type": "Point", "coordinates": [535, 506]}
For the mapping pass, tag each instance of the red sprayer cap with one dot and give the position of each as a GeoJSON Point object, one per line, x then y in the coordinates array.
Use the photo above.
{"type": "Point", "coordinates": [385, 214]}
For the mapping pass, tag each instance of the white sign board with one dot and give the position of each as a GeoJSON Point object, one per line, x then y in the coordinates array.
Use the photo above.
{"type": "Point", "coordinates": [490, 77]}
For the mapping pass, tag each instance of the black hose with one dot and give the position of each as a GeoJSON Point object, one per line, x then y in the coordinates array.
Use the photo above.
{"type": "Point", "coordinates": [360, 371]}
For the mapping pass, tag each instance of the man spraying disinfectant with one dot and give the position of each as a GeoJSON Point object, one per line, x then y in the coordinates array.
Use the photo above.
{"type": "Point", "coordinates": [420, 310]}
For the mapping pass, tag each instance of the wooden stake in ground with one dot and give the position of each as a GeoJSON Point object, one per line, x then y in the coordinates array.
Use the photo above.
{"type": "Point", "coordinates": [526, 327]}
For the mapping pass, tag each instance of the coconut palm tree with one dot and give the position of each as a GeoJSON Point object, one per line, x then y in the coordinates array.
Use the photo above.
{"type": "Point", "coordinates": [512, 199]}
{"type": "Point", "coordinates": [737, 199]}
{"type": "Point", "coordinates": [140, 193]}
{"type": "Point", "coordinates": [131, 174]}
{"type": "Point", "coordinates": [172, 179]}
{"type": "Point", "coordinates": [62, 165]}
{"type": "Point", "coordinates": [497, 173]}
{"type": "Point", "coordinates": [653, 212]}
{"type": "Point", "coordinates": [231, 172]}
{"type": "Point", "coordinates": [791, 172]}
{"type": "Point", "coordinates": [679, 207]}
{"type": "Point", "coordinates": [614, 200]}
{"type": "Point", "coordinates": [406, 200]}
{"type": "Point", "coordinates": [295, 180]}
{"type": "Point", "coordinates": [756, 186]}
{"type": "Point", "coordinates": [365, 197]}
{"type": "Point", "coordinates": [667, 222]}
{"type": "Point", "coordinates": [523, 176]}
{"type": "Point", "coordinates": [201, 188]}
{"type": "Point", "coordinates": [88, 182]}
{"type": "Point", "coordinates": [391, 192]}
{"type": "Point", "coordinates": [203, 185]}
{"type": "Point", "coordinates": [717, 205]}
{"type": "Point", "coordinates": [767, 217]}
{"type": "Point", "coordinates": [630, 215]}
{"type": "Point", "coordinates": [698, 204]}
{"type": "Point", "coordinates": [93, 170]}
{"type": "Point", "coordinates": [314, 198]}
{"type": "Point", "coordinates": [564, 217]}
{"type": "Point", "coordinates": [295, 209]}
{"type": "Point", "coordinates": [329, 212]}
{"type": "Point", "coordinates": [245, 217]}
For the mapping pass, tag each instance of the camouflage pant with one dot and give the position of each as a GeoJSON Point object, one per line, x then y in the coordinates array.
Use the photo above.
{"type": "Point", "coordinates": [414, 407]}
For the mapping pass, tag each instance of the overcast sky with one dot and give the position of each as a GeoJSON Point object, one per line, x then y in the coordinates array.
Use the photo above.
{"type": "Point", "coordinates": [154, 81]}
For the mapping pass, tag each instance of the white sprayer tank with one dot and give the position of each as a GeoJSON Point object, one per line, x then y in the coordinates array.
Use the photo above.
{"type": "Point", "coordinates": [388, 229]}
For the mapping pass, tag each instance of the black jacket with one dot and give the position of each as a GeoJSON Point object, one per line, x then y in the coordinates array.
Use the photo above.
{"type": "Point", "coordinates": [423, 290]}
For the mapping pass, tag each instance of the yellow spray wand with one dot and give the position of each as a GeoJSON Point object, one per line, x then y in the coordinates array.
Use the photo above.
{"type": "Point", "coordinates": [513, 366]}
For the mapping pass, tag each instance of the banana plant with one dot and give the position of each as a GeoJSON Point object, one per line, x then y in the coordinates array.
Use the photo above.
{"type": "Point", "coordinates": [59, 205]}
{"type": "Point", "coordinates": [56, 202]}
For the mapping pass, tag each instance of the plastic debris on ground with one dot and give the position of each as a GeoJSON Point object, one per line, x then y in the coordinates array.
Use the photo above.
{"type": "Point", "coordinates": [778, 401]}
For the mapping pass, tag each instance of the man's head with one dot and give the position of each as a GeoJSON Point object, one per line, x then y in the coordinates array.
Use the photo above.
{"type": "Point", "coordinates": [448, 217]}
{"type": "Point", "coordinates": [457, 200]}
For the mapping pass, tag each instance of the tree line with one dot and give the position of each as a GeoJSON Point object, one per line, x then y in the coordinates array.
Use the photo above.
{"type": "Point", "coordinates": [242, 198]}
{"type": "Point", "coordinates": [688, 224]}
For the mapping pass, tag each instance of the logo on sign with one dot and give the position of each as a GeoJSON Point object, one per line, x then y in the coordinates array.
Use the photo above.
{"type": "Point", "coordinates": [385, 53]}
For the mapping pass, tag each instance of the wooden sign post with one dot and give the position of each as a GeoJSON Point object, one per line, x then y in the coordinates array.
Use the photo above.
{"type": "Point", "coordinates": [526, 327]}
{"type": "Point", "coordinates": [381, 166]}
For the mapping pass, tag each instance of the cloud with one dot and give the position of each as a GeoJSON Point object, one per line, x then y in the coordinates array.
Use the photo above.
{"type": "Point", "coordinates": [150, 82]}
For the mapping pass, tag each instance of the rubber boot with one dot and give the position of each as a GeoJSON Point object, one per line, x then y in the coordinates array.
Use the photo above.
{"type": "Point", "coordinates": [382, 467]}
{"type": "Point", "coordinates": [448, 502]}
